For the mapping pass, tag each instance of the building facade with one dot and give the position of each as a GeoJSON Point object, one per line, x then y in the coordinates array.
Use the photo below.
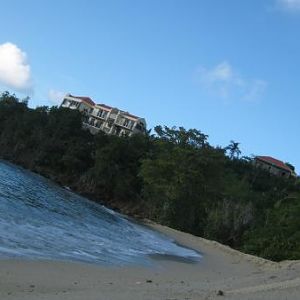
{"type": "Point", "coordinates": [101, 117]}
{"type": "Point", "coordinates": [274, 166]}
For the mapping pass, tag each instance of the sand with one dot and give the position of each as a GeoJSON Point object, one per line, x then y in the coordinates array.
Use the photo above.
{"type": "Point", "coordinates": [223, 273]}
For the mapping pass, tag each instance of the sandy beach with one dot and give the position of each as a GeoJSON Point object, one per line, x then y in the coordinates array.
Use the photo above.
{"type": "Point", "coordinates": [222, 273]}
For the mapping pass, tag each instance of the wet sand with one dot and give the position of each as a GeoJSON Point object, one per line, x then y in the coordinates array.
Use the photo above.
{"type": "Point", "coordinates": [222, 273]}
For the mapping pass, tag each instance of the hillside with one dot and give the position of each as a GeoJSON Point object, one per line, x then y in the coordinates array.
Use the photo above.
{"type": "Point", "coordinates": [174, 177]}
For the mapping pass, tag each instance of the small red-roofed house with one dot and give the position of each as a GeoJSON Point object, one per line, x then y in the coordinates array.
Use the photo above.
{"type": "Point", "coordinates": [274, 166]}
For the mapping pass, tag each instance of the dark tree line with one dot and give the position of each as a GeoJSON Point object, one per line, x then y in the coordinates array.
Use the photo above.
{"type": "Point", "coordinates": [174, 177]}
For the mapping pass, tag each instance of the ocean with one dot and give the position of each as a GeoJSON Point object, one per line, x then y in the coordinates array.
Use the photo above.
{"type": "Point", "coordinates": [41, 220]}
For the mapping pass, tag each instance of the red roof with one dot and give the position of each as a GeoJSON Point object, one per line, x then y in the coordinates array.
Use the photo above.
{"type": "Point", "coordinates": [273, 161]}
{"type": "Point", "coordinates": [85, 99]}
{"type": "Point", "coordinates": [91, 102]}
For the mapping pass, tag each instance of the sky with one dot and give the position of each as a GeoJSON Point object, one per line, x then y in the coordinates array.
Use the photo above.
{"type": "Point", "coordinates": [228, 68]}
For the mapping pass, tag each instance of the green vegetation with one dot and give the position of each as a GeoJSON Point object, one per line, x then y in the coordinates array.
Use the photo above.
{"type": "Point", "coordinates": [174, 177]}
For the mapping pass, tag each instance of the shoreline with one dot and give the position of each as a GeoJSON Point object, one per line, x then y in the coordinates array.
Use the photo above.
{"type": "Point", "coordinates": [221, 271]}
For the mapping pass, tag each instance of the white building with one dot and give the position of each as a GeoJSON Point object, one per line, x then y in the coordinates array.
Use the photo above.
{"type": "Point", "coordinates": [102, 117]}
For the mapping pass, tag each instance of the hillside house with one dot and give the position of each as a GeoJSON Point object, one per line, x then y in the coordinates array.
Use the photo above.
{"type": "Point", "coordinates": [101, 117]}
{"type": "Point", "coordinates": [274, 166]}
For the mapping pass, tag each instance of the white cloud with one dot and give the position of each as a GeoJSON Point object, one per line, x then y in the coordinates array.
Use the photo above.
{"type": "Point", "coordinates": [256, 89]}
{"type": "Point", "coordinates": [225, 82]}
{"type": "Point", "coordinates": [14, 69]}
{"type": "Point", "coordinates": [290, 5]}
{"type": "Point", "coordinates": [55, 97]}
{"type": "Point", "coordinates": [222, 72]}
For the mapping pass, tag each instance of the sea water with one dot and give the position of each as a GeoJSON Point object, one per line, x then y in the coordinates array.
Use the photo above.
{"type": "Point", "coordinates": [40, 220]}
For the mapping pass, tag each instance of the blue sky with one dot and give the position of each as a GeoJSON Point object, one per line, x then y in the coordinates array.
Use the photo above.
{"type": "Point", "coordinates": [229, 68]}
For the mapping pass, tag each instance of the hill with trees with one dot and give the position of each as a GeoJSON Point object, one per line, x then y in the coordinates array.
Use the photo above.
{"type": "Point", "coordinates": [174, 177]}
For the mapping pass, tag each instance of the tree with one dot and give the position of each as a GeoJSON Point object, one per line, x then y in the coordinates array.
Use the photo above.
{"type": "Point", "coordinates": [290, 166]}
{"type": "Point", "coordinates": [192, 137]}
{"type": "Point", "coordinates": [233, 149]}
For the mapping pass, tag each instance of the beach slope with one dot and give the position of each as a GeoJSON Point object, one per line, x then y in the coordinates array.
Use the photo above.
{"type": "Point", "coordinates": [222, 273]}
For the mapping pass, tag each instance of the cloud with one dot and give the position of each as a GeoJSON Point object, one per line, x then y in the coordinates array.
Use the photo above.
{"type": "Point", "coordinates": [290, 5]}
{"type": "Point", "coordinates": [55, 97]}
{"type": "Point", "coordinates": [225, 82]}
{"type": "Point", "coordinates": [14, 70]}
{"type": "Point", "coordinates": [256, 89]}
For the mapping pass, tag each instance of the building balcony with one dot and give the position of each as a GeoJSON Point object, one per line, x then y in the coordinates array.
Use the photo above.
{"type": "Point", "coordinates": [129, 127]}
{"type": "Point", "coordinates": [95, 115]}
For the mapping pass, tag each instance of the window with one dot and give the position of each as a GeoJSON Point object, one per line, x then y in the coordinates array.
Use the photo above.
{"type": "Point", "coordinates": [110, 123]}
{"type": "Point", "coordinates": [117, 130]}
{"type": "Point", "coordinates": [92, 121]}
{"type": "Point", "coordinates": [98, 124]}
{"type": "Point", "coordinates": [131, 124]}
{"type": "Point", "coordinates": [128, 123]}
{"type": "Point", "coordinates": [102, 113]}
{"type": "Point", "coordinates": [74, 103]}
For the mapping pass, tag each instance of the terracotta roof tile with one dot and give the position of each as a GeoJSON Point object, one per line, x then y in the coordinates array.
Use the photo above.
{"type": "Point", "coordinates": [273, 161]}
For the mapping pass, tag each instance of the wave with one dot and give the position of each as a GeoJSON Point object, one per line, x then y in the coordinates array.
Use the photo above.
{"type": "Point", "coordinates": [40, 220]}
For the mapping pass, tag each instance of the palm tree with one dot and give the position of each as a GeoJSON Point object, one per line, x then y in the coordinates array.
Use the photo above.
{"type": "Point", "coordinates": [233, 149]}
